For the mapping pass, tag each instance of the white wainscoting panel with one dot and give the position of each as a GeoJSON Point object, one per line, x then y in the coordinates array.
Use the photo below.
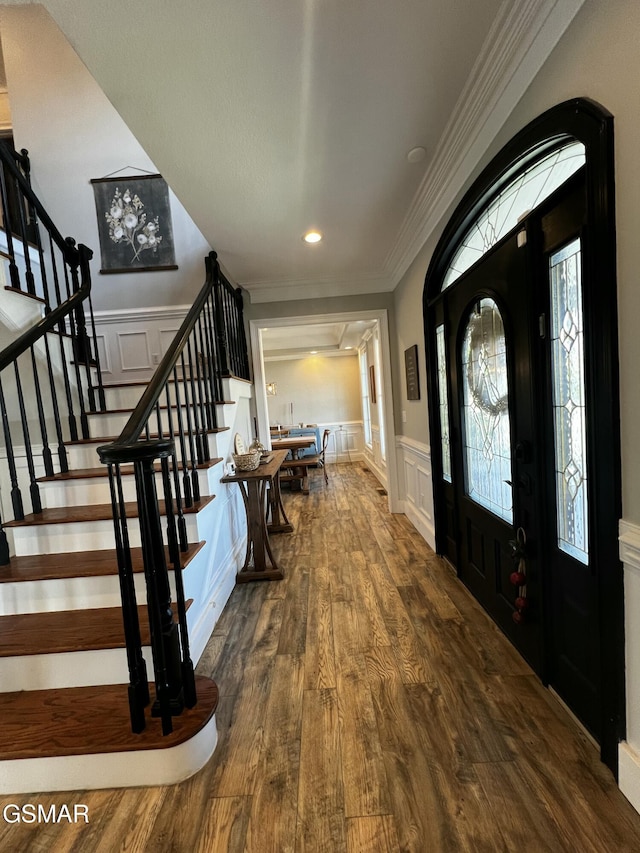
{"type": "Point", "coordinates": [104, 356]}
{"type": "Point", "coordinates": [130, 343]}
{"type": "Point", "coordinates": [629, 750]}
{"type": "Point", "coordinates": [345, 441]}
{"type": "Point", "coordinates": [416, 485]}
{"type": "Point", "coordinates": [372, 454]}
{"type": "Point", "coordinates": [166, 337]}
{"type": "Point", "coordinates": [133, 348]}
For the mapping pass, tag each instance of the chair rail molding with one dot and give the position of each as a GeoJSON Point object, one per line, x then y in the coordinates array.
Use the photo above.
{"type": "Point", "coordinates": [416, 485]}
{"type": "Point", "coordinates": [629, 541]}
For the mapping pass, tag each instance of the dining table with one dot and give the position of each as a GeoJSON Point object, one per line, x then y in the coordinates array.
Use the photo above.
{"type": "Point", "coordinates": [295, 444]}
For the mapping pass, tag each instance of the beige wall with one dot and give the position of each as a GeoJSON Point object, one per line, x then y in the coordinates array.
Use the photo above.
{"type": "Point", "coordinates": [322, 390]}
{"type": "Point", "coordinates": [73, 134]}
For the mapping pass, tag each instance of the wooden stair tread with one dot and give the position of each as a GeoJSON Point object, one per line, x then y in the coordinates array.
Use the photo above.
{"type": "Point", "coordinates": [94, 512]}
{"type": "Point", "coordinates": [90, 720]}
{"type": "Point", "coordinates": [78, 564]}
{"type": "Point", "coordinates": [103, 471]}
{"type": "Point", "coordinates": [57, 631]}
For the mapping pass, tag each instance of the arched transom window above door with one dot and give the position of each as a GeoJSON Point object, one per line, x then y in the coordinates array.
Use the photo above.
{"type": "Point", "coordinates": [531, 186]}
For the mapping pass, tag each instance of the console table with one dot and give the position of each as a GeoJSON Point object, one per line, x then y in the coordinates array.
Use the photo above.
{"type": "Point", "coordinates": [259, 563]}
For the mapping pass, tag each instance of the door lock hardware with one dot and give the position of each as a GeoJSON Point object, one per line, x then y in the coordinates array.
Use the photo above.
{"type": "Point", "coordinates": [521, 482]}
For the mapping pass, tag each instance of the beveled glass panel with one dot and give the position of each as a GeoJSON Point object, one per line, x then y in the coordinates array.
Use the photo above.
{"type": "Point", "coordinates": [443, 398]}
{"type": "Point", "coordinates": [524, 193]}
{"type": "Point", "coordinates": [486, 428]}
{"type": "Point", "coordinates": [568, 397]}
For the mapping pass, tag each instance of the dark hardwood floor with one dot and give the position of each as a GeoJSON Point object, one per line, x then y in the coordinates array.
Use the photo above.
{"type": "Point", "coordinates": [366, 704]}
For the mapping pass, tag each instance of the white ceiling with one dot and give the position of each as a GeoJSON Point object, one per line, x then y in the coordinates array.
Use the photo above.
{"type": "Point", "coordinates": [268, 117]}
{"type": "Point", "coordinates": [314, 339]}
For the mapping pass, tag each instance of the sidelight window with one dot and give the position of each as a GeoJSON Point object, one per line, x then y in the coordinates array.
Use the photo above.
{"type": "Point", "coordinates": [443, 398]}
{"type": "Point", "coordinates": [568, 395]}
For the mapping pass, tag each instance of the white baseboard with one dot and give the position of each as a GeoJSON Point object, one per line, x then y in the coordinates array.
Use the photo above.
{"type": "Point", "coordinates": [379, 473]}
{"type": "Point", "coordinates": [629, 774]}
{"type": "Point", "coordinates": [422, 524]}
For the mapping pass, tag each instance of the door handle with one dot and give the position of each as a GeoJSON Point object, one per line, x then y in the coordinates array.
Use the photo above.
{"type": "Point", "coordinates": [522, 482]}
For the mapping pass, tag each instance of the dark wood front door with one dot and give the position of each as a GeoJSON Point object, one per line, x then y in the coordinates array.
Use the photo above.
{"type": "Point", "coordinates": [521, 335]}
{"type": "Point", "coordinates": [493, 453]}
{"type": "Point", "coordinates": [520, 515]}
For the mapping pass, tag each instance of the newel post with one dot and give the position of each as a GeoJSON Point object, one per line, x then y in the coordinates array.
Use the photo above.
{"type": "Point", "coordinates": [165, 639]}
{"type": "Point", "coordinates": [166, 647]}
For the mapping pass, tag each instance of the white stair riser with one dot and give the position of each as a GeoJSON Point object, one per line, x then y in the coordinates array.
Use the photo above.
{"type": "Point", "coordinates": [68, 669]}
{"type": "Point", "coordinates": [83, 593]}
{"type": "Point", "coordinates": [95, 490]}
{"type": "Point", "coordinates": [93, 535]}
{"type": "Point", "coordinates": [112, 423]}
{"type": "Point", "coordinates": [65, 594]}
{"type": "Point", "coordinates": [17, 312]}
{"type": "Point", "coordinates": [128, 396]}
{"type": "Point", "coordinates": [85, 455]}
{"type": "Point", "coordinates": [125, 397]}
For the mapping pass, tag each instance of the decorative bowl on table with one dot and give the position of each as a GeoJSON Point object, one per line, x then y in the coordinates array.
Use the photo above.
{"type": "Point", "coordinates": [247, 461]}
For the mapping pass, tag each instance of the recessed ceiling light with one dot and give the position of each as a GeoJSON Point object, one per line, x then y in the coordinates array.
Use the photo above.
{"type": "Point", "coordinates": [312, 237]}
{"type": "Point", "coordinates": [313, 352]}
{"type": "Point", "coordinates": [348, 347]}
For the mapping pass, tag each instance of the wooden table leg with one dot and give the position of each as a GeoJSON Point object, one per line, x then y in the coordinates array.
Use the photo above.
{"type": "Point", "coordinates": [259, 563]}
{"type": "Point", "coordinates": [276, 525]}
{"type": "Point", "coordinates": [296, 471]}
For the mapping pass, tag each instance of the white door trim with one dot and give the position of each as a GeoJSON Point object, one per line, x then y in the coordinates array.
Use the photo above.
{"type": "Point", "coordinates": [381, 317]}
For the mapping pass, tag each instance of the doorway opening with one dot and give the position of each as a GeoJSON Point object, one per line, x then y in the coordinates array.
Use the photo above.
{"type": "Point", "coordinates": [372, 349]}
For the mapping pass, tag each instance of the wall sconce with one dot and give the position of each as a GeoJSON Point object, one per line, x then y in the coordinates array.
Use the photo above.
{"type": "Point", "coordinates": [271, 389]}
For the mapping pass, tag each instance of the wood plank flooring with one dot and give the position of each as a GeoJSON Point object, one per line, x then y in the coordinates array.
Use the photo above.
{"type": "Point", "coordinates": [367, 704]}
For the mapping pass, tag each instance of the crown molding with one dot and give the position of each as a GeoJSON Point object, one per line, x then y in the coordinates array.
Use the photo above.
{"type": "Point", "coordinates": [520, 40]}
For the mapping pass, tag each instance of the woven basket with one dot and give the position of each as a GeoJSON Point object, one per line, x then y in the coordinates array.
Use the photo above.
{"type": "Point", "coordinates": [247, 461]}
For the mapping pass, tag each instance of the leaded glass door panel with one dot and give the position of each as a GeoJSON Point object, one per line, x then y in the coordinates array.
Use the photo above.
{"type": "Point", "coordinates": [574, 657]}
{"type": "Point", "coordinates": [493, 432]}
{"type": "Point", "coordinates": [486, 437]}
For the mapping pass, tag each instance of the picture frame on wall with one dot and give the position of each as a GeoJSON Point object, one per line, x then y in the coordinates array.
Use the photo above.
{"type": "Point", "coordinates": [411, 372]}
{"type": "Point", "coordinates": [135, 229]}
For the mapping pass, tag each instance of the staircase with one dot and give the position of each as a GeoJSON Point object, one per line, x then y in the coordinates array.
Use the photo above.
{"type": "Point", "coordinates": [88, 604]}
{"type": "Point", "coordinates": [61, 632]}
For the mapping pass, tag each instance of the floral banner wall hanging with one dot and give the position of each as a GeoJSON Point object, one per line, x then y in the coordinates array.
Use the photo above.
{"type": "Point", "coordinates": [134, 224]}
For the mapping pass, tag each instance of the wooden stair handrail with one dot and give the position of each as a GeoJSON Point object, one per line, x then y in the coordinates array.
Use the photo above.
{"type": "Point", "coordinates": [82, 255]}
{"type": "Point", "coordinates": [120, 450]}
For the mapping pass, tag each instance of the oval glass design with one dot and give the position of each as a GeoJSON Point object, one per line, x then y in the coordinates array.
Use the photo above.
{"type": "Point", "coordinates": [486, 425]}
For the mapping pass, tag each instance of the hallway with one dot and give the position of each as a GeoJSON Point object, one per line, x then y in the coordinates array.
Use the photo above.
{"type": "Point", "coordinates": [367, 704]}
